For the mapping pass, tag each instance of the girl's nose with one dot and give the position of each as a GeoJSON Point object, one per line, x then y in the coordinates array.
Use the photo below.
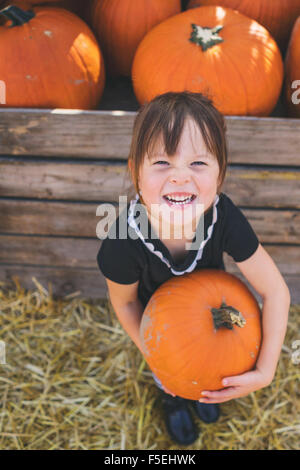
{"type": "Point", "coordinates": [180, 177]}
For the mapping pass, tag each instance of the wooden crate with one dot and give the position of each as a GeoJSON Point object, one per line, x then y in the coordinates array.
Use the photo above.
{"type": "Point", "coordinates": [57, 166]}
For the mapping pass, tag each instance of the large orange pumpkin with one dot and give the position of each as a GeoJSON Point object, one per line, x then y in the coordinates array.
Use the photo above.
{"type": "Point", "coordinates": [199, 328]}
{"type": "Point", "coordinates": [278, 16]}
{"type": "Point", "coordinates": [292, 72]}
{"type": "Point", "coordinates": [121, 24]}
{"type": "Point", "coordinates": [49, 58]}
{"type": "Point", "coordinates": [213, 50]}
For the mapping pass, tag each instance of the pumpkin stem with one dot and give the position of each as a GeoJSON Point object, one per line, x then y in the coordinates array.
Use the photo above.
{"type": "Point", "coordinates": [17, 15]}
{"type": "Point", "coordinates": [205, 37]}
{"type": "Point", "coordinates": [227, 316]}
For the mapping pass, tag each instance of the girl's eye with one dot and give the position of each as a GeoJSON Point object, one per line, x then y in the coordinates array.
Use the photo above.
{"type": "Point", "coordinates": [198, 163]}
{"type": "Point", "coordinates": [161, 162]}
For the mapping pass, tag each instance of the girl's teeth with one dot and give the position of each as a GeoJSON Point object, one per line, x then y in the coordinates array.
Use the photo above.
{"type": "Point", "coordinates": [179, 199]}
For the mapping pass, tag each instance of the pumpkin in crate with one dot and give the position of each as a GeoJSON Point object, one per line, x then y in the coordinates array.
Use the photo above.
{"type": "Point", "coordinates": [278, 16]}
{"type": "Point", "coordinates": [199, 328]}
{"type": "Point", "coordinates": [215, 51]}
{"type": "Point", "coordinates": [77, 6]}
{"type": "Point", "coordinates": [50, 58]}
{"type": "Point", "coordinates": [292, 72]}
{"type": "Point", "coordinates": [120, 25]}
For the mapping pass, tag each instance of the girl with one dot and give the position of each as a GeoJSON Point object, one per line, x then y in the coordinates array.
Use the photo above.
{"type": "Point", "coordinates": [177, 162]}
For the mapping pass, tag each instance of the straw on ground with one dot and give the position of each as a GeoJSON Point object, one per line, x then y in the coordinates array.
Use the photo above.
{"type": "Point", "coordinates": [74, 380]}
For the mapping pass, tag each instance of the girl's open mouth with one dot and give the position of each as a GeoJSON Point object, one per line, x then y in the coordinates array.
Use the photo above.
{"type": "Point", "coordinates": [179, 199]}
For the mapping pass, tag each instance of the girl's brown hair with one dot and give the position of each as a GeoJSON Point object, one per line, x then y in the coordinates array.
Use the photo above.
{"type": "Point", "coordinates": [165, 116]}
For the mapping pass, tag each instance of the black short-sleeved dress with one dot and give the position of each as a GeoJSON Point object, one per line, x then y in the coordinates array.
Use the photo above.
{"type": "Point", "coordinates": [129, 253]}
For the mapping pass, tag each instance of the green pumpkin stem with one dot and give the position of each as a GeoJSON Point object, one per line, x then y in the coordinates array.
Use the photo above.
{"type": "Point", "coordinates": [17, 15]}
{"type": "Point", "coordinates": [205, 37]}
{"type": "Point", "coordinates": [227, 316]}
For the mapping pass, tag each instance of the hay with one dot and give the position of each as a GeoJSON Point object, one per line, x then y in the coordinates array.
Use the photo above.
{"type": "Point", "coordinates": [74, 380]}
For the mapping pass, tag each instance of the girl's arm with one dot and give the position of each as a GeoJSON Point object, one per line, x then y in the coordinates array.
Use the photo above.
{"type": "Point", "coordinates": [129, 311]}
{"type": "Point", "coordinates": [128, 308]}
{"type": "Point", "coordinates": [262, 273]}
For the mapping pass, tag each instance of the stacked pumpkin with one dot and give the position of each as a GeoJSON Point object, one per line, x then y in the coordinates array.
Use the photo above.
{"type": "Point", "coordinates": [228, 49]}
{"type": "Point", "coordinates": [279, 17]}
{"type": "Point", "coordinates": [50, 58]}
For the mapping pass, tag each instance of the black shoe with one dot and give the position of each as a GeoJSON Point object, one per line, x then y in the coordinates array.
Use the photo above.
{"type": "Point", "coordinates": [207, 412]}
{"type": "Point", "coordinates": [178, 419]}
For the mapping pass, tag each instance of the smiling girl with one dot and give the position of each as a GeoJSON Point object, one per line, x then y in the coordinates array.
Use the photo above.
{"type": "Point", "coordinates": [180, 221]}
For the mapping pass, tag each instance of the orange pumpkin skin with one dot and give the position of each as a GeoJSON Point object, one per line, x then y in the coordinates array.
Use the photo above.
{"type": "Point", "coordinates": [243, 74]}
{"type": "Point", "coordinates": [120, 25]}
{"type": "Point", "coordinates": [77, 6]}
{"type": "Point", "coordinates": [51, 61]}
{"type": "Point", "coordinates": [278, 16]}
{"type": "Point", "coordinates": [292, 72]}
{"type": "Point", "coordinates": [180, 341]}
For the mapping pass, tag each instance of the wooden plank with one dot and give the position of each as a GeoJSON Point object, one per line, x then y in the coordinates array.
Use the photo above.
{"type": "Point", "coordinates": [60, 281]}
{"type": "Point", "coordinates": [250, 186]}
{"type": "Point", "coordinates": [286, 258]}
{"type": "Point", "coordinates": [291, 278]}
{"type": "Point", "coordinates": [90, 283]}
{"type": "Point", "coordinates": [33, 217]}
{"type": "Point", "coordinates": [293, 283]}
{"type": "Point", "coordinates": [275, 226]}
{"type": "Point", "coordinates": [52, 180]}
{"type": "Point", "coordinates": [82, 252]}
{"type": "Point", "coordinates": [274, 141]}
{"type": "Point", "coordinates": [62, 132]}
{"type": "Point", "coordinates": [49, 251]}
{"type": "Point", "coordinates": [107, 134]}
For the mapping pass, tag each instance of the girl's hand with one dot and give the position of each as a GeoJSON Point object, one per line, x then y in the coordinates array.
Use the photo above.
{"type": "Point", "coordinates": [236, 387]}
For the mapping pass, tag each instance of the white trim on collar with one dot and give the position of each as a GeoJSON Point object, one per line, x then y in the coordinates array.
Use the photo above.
{"type": "Point", "coordinates": [132, 223]}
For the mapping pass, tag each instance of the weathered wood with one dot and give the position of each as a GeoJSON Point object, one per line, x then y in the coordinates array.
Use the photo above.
{"type": "Point", "coordinates": [107, 134]}
{"type": "Point", "coordinates": [292, 281]}
{"type": "Point", "coordinates": [90, 283]}
{"type": "Point", "coordinates": [83, 182]}
{"type": "Point", "coordinates": [87, 145]}
{"type": "Point", "coordinates": [249, 186]}
{"type": "Point", "coordinates": [274, 141]}
{"type": "Point", "coordinates": [286, 258]}
{"type": "Point", "coordinates": [62, 132]}
{"type": "Point", "coordinates": [48, 218]}
{"type": "Point", "coordinates": [275, 226]}
{"type": "Point", "coordinates": [49, 251]}
{"type": "Point", "coordinates": [58, 281]}
{"type": "Point", "coordinates": [80, 252]}
{"type": "Point", "coordinates": [277, 253]}
{"type": "Point", "coordinates": [29, 217]}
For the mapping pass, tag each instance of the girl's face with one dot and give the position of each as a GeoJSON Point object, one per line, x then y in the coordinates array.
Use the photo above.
{"type": "Point", "coordinates": [188, 179]}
